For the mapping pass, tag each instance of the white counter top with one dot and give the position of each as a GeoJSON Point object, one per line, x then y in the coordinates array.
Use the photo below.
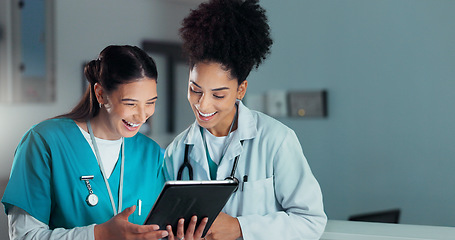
{"type": "Point", "coordinates": [351, 230]}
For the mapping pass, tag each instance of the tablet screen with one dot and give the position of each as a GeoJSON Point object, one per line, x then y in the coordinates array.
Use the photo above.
{"type": "Point", "coordinates": [184, 199]}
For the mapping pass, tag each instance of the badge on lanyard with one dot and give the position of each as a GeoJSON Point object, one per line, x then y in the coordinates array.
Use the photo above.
{"type": "Point", "coordinates": [91, 199]}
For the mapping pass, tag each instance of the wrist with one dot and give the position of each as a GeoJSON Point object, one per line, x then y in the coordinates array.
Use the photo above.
{"type": "Point", "coordinates": [99, 232]}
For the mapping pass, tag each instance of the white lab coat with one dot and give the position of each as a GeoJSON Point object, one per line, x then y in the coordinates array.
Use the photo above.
{"type": "Point", "coordinates": [281, 199]}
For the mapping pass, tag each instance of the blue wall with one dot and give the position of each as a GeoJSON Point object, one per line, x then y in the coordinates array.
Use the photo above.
{"type": "Point", "coordinates": [389, 69]}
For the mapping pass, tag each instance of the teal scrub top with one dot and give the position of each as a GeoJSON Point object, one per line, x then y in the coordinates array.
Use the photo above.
{"type": "Point", "coordinates": [51, 158]}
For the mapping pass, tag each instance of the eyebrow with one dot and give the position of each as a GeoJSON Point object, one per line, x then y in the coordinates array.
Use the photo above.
{"type": "Point", "coordinates": [215, 89]}
{"type": "Point", "coordinates": [134, 100]}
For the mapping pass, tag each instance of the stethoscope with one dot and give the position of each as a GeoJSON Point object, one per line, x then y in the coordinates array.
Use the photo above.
{"type": "Point", "coordinates": [186, 162]}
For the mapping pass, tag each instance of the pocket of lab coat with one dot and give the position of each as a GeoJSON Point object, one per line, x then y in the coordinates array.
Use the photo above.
{"type": "Point", "coordinates": [258, 197]}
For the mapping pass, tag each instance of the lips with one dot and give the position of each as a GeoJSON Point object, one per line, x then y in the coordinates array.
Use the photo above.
{"type": "Point", "coordinates": [205, 116]}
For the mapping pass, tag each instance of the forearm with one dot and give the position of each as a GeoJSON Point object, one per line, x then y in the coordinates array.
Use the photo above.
{"type": "Point", "coordinates": [23, 226]}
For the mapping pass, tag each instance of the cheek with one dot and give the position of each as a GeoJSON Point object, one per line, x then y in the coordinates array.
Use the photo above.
{"type": "Point", "coordinates": [192, 98]}
{"type": "Point", "coordinates": [120, 112]}
{"type": "Point", "coordinates": [226, 107]}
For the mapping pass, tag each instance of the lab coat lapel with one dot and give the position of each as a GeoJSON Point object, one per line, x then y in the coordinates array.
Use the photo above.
{"type": "Point", "coordinates": [197, 155]}
{"type": "Point", "coordinates": [246, 129]}
{"type": "Point", "coordinates": [247, 124]}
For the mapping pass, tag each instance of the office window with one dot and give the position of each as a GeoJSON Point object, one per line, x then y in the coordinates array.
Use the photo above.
{"type": "Point", "coordinates": [26, 51]}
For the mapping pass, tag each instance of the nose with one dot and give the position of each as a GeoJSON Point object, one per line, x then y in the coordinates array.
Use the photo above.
{"type": "Point", "coordinates": [141, 115]}
{"type": "Point", "coordinates": [203, 103]}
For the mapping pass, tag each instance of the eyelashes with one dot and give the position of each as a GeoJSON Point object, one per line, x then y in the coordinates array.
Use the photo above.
{"type": "Point", "coordinates": [194, 91]}
{"type": "Point", "coordinates": [200, 93]}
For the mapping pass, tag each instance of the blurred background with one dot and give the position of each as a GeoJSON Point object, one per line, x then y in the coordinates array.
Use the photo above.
{"type": "Point", "coordinates": [387, 68]}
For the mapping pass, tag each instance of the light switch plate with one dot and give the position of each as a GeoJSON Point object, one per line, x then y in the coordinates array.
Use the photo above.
{"type": "Point", "coordinates": [276, 103]}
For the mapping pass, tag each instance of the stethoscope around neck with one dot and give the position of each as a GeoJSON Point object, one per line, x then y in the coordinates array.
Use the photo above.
{"type": "Point", "coordinates": [186, 164]}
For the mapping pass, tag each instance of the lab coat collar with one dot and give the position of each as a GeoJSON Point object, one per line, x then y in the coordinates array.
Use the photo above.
{"type": "Point", "coordinates": [246, 128]}
{"type": "Point", "coordinates": [196, 151]}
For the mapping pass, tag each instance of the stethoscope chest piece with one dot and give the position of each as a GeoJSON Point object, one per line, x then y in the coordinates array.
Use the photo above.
{"type": "Point", "coordinates": [92, 200]}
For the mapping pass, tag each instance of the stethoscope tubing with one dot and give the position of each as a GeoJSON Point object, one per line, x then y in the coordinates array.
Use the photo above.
{"type": "Point", "coordinates": [186, 163]}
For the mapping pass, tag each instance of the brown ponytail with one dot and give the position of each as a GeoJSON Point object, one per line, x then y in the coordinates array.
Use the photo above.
{"type": "Point", "coordinates": [116, 65]}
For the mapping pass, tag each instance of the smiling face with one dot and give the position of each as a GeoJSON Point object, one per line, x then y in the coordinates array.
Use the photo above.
{"type": "Point", "coordinates": [124, 109]}
{"type": "Point", "coordinates": [212, 94]}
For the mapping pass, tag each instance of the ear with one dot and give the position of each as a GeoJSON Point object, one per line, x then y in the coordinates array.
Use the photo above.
{"type": "Point", "coordinates": [241, 90]}
{"type": "Point", "coordinates": [99, 93]}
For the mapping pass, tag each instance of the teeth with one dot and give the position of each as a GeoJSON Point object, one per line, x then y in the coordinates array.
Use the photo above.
{"type": "Point", "coordinates": [131, 124]}
{"type": "Point", "coordinates": [206, 115]}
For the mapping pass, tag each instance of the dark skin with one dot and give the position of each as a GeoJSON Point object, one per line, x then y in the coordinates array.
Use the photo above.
{"type": "Point", "coordinates": [225, 227]}
{"type": "Point", "coordinates": [213, 91]}
{"type": "Point", "coordinates": [192, 233]}
{"type": "Point", "coordinates": [119, 228]}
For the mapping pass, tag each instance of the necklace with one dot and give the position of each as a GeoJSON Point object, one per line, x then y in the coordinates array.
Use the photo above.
{"type": "Point", "coordinates": [100, 164]}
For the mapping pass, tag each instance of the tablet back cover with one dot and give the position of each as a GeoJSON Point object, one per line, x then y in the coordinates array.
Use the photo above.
{"type": "Point", "coordinates": [184, 199]}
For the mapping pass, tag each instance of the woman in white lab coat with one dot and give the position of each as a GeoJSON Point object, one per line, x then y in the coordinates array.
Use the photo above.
{"type": "Point", "coordinates": [278, 196]}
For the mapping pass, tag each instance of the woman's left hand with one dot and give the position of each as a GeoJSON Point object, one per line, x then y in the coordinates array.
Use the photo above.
{"type": "Point", "coordinates": [192, 233]}
{"type": "Point", "coordinates": [224, 227]}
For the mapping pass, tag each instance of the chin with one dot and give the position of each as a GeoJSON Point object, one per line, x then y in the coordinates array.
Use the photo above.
{"type": "Point", "coordinates": [205, 124]}
{"type": "Point", "coordinates": [128, 134]}
{"type": "Point", "coordinates": [131, 134]}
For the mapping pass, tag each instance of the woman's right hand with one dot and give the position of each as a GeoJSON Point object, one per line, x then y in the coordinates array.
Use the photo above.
{"type": "Point", "coordinates": [118, 227]}
{"type": "Point", "coordinates": [192, 233]}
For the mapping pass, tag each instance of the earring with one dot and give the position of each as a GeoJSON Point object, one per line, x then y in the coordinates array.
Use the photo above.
{"type": "Point", "coordinates": [101, 105]}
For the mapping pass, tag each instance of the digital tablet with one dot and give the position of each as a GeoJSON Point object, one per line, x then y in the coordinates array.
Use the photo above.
{"type": "Point", "coordinates": [184, 199]}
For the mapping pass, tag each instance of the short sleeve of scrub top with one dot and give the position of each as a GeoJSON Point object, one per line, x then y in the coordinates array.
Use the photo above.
{"type": "Point", "coordinates": [30, 178]}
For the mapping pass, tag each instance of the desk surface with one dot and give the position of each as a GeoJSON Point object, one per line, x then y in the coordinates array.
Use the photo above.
{"type": "Point", "coordinates": [350, 230]}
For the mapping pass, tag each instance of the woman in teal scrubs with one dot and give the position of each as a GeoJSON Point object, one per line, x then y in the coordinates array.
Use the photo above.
{"type": "Point", "coordinates": [89, 174]}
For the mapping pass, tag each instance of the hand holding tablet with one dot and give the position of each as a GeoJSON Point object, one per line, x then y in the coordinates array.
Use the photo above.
{"type": "Point", "coordinates": [192, 232]}
{"type": "Point", "coordinates": [185, 199]}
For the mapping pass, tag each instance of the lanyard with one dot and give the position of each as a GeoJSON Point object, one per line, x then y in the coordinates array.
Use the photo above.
{"type": "Point", "coordinates": [100, 164]}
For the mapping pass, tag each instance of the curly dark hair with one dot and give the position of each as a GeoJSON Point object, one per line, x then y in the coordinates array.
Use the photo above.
{"type": "Point", "coordinates": [234, 33]}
